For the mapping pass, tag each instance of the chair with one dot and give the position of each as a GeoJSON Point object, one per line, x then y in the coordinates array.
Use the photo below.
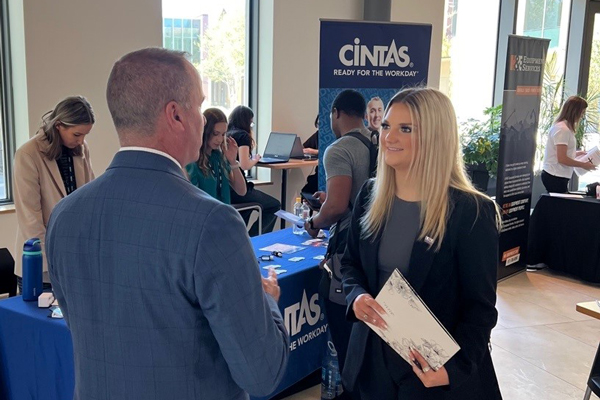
{"type": "Point", "coordinates": [8, 279]}
{"type": "Point", "coordinates": [593, 384]}
{"type": "Point", "coordinates": [252, 207]}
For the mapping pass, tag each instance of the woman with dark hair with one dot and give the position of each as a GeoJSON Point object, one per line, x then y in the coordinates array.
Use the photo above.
{"type": "Point", "coordinates": [50, 166]}
{"type": "Point", "coordinates": [422, 216]}
{"type": "Point", "coordinates": [217, 170]}
{"type": "Point", "coordinates": [561, 147]}
{"type": "Point", "coordinates": [241, 121]}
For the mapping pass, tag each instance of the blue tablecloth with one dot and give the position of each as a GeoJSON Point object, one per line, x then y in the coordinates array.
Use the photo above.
{"type": "Point", "coordinates": [36, 352]}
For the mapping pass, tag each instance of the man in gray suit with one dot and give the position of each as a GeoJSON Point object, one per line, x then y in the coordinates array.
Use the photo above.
{"type": "Point", "coordinates": [158, 282]}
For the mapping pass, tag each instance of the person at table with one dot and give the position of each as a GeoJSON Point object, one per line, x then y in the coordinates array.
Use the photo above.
{"type": "Point", "coordinates": [49, 167]}
{"type": "Point", "coordinates": [241, 121]}
{"type": "Point", "coordinates": [422, 216]}
{"type": "Point", "coordinates": [216, 169]}
{"type": "Point", "coordinates": [311, 146]}
{"type": "Point", "coordinates": [346, 163]}
{"type": "Point", "coordinates": [158, 304]}
{"type": "Point", "coordinates": [561, 147]}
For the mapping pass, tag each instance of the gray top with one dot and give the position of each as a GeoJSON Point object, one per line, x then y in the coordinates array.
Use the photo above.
{"type": "Point", "coordinates": [397, 239]}
{"type": "Point", "coordinates": [348, 156]}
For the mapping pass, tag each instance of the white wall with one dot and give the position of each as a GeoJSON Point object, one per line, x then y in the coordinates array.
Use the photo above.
{"type": "Point", "coordinates": [293, 63]}
{"type": "Point", "coordinates": [70, 47]}
{"type": "Point", "coordinates": [430, 12]}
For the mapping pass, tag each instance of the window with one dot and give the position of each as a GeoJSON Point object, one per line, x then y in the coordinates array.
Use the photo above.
{"type": "Point", "coordinates": [469, 55]}
{"type": "Point", "coordinates": [6, 141]}
{"type": "Point", "coordinates": [215, 34]}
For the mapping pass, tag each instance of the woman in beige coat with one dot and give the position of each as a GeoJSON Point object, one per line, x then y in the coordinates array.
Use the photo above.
{"type": "Point", "coordinates": [50, 166]}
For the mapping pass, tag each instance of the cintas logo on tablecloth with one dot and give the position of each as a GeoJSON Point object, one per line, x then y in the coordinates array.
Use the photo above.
{"type": "Point", "coordinates": [301, 317]}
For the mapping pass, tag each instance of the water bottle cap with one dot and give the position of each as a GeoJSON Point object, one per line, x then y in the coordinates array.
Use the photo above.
{"type": "Point", "coordinates": [32, 247]}
{"type": "Point", "coordinates": [332, 348]}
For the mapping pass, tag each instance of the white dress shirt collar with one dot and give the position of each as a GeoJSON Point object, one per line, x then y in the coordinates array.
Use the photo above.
{"type": "Point", "coordinates": [149, 150]}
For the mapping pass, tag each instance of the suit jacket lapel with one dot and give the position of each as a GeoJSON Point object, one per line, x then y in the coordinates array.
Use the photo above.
{"type": "Point", "coordinates": [421, 260]}
{"type": "Point", "coordinates": [55, 175]}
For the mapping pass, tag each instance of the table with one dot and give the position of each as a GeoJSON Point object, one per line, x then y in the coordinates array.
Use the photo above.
{"type": "Point", "coordinates": [36, 352]}
{"type": "Point", "coordinates": [591, 309]}
{"type": "Point", "coordinates": [284, 168]}
{"type": "Point", "coordinates": [564, 234]}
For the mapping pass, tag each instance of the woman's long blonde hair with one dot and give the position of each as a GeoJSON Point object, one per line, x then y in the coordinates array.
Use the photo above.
{"type": "Point", "coordinates": [437, 165]}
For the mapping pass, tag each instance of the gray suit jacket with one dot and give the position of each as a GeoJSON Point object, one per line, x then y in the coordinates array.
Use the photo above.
{"type": "Point", "coordinates": [160, 287]}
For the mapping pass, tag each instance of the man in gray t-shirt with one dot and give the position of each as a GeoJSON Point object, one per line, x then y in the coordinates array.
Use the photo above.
{"type": "Point", "coordinates": [347, 165]}
{"type": "Point", "coordinates": [346, 161]}
{"type": "Point", "coordinates": [349, 157]}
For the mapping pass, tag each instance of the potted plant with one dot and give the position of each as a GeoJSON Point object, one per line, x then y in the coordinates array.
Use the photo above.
{"type": "Point", "coordinates": [480, 143]}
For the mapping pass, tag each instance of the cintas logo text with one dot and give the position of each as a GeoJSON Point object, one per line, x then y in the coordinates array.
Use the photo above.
{"type": "Point", "coordinates": [301, 313]}
{"type": "Point", "coordinates": [358, 55]}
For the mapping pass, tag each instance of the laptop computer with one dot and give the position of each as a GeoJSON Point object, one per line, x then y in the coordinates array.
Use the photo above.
{"type": "Point", "coordinates": [298, 151]}
{"type": "Point", "coordinates": [279, 148]}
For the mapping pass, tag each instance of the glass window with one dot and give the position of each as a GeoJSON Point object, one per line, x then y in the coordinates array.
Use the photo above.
{"type": "Point", "coordinates": [469, 55]}
{"type": "Point", "coordinates": [6, 142]}
{"type": "Point", "coordinates": [214, 33]}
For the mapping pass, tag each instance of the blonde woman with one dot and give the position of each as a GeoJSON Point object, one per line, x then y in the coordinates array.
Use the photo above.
{"type": "Point", "coordinates": [561, 147]}
{"type": "Point", "coordinates": [422, 216]}
{"type": "Point", "coordinates": [50, 166]}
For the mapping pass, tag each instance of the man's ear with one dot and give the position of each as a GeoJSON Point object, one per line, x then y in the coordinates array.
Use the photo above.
{"type": "Point", "coordinates": [173, 115]}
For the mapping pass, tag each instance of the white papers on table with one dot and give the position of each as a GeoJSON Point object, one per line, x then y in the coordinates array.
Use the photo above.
{"type": "Point", "coordinates": [411, 324]}
{"type": "Point", "coordinates": [566, 195]}
{"type": "Point", "coordinates": [284, 248]}
{"type": "Point", "coordinates": [288, 216]}
{"type": "Point", "coordinates": [592, 156]}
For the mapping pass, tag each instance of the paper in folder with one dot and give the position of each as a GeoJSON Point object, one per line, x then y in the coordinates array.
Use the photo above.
{"type": "Point", "coordinates": [592, 156]}
{"type": "Point", "coordinates": [411, 324]}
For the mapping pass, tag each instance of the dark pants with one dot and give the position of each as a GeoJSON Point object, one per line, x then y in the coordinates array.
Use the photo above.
{"type": "Point", "coordinates": [555, 184]}
{"type": "Point", "coordinates": [270, 206]}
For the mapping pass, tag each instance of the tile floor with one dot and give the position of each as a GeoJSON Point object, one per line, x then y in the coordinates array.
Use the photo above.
{"type": "Point", "coordinates": [542, 347]}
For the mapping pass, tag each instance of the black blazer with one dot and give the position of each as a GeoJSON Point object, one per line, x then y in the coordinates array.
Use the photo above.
{"type": "Point", "coordinates": [458, 283]}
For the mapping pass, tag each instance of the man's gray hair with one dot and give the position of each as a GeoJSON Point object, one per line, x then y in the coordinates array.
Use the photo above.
{"type": "Point", "coordinates": [142, 82]}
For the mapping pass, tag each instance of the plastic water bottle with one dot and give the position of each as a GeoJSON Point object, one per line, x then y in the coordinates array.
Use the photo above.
{"type": "Point", "coordinates": [331, 380]}
{"type": "Point", "coordinates": [305, 210]}
{"type": "Point", "coordinates": [32, 269]}
{"type": "Point", "coordinates": [298, 230]}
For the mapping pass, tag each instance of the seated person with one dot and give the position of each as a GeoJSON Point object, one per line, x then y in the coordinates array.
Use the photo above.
{"type": "Point", "coordinates": [240, 125]}
{"type": "Point", "coordinates": [311, 146]}
{"type": "Point", "coordinates": [217, 168]}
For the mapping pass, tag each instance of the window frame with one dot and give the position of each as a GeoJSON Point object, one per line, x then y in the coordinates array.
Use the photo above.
{"type": "Point", "coordinates": [6, 104]}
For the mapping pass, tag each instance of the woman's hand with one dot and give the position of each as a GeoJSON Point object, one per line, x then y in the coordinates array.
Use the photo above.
{"type": "Point", "coordinates": [588, 166]}
{"type": "Point", "coordinates": [367, 309]}
{"type": "Point", "coordinates": [308, 150]}
{"type": "Point", "coordinates": [256, 157]}
{"type": "Point", "coordinates": [580, 153]}
{"type": "Point", "coordinates": [232, 150]}
{"type": "Point", "coordinates": [428, 376]}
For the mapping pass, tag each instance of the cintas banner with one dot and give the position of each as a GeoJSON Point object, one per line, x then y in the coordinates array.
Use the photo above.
{"type": "Point", "coordinates": [520, 116]}
{"type": "Point", "coordinates": [376, 59]}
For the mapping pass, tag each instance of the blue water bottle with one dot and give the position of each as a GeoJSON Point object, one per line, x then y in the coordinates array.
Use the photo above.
{"type": "Point", "coordinates": [32, 269]}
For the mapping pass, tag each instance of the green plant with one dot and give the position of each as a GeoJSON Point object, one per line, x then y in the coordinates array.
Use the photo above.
{"type": "Point", "coordinates": [481, 139]}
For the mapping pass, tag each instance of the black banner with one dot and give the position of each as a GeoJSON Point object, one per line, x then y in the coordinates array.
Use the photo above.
{"type": "Point", "coordinates": [520, 116]}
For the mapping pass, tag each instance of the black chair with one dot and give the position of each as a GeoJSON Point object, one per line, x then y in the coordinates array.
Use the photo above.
{"type": "Point", "coordinates": [8, 279]}
{"type": "Point", "coordinates": [252, 207]}
{"type": "Point", "coordinates": [593, 384]}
